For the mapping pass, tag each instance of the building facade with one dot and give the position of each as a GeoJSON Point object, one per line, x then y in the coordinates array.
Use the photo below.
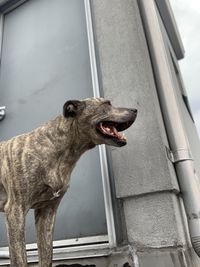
{"type": "Point", "coordinates": [136, 212]}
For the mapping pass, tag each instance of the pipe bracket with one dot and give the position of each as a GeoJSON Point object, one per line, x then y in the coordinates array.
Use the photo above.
{"type": "Point", "coordinates": [179, 155]}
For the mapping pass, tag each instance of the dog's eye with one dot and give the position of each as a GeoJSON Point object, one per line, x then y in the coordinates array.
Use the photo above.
{"type": "Point", "coordinates": [108, 103]}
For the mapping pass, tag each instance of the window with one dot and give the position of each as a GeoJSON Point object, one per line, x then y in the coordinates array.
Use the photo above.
{"type": "Point", "coordinates": [47, 57]}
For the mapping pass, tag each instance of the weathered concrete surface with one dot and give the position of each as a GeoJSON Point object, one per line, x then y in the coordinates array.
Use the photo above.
{"type": "Point", "coordinates": [121, 258]}
{"type": "Point", "coordinates": [141, 168]}
{"type": "Point", "coordinates": [168, 258]}
{"type": "Point", "coordinates": [154, 221]}
{"type": "Point", "coordinates": [127, 79]}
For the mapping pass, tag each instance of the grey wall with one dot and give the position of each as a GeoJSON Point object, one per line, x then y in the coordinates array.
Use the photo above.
{"type": "Point", "coordinates": [144, 177]}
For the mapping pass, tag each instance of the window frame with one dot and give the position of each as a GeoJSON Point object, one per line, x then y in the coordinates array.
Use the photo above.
{"type": "Point", "coordinates": [174, 60]}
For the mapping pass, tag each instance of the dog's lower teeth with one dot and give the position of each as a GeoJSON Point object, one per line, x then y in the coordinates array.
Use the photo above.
{"type": "Point", "coordinates": [123, 137]}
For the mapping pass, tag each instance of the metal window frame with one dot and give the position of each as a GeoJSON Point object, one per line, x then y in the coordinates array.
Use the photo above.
{"type": "Point", "coordinates": [169, 21]}
{"type": "Point", "coordinates": [86, 246]}
{"type": "Point", "coordinates": [172, 56]}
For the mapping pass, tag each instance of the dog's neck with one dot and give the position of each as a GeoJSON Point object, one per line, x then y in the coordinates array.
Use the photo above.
{"type": "Point", "coordinates": [67, 140]}
{"type": "Point", "coordinates": [65, 146]}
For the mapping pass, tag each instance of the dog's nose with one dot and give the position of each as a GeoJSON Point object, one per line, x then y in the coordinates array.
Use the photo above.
{"type": "Point", "coordinates": [134, 111]}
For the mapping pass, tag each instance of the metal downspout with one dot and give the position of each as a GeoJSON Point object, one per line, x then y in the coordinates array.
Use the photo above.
{"type": "Point", "coordinates": [178, 141]}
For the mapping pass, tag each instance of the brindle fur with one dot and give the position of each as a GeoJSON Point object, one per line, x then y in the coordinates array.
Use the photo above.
{"type": "Point", "coordinates": [36, 168]}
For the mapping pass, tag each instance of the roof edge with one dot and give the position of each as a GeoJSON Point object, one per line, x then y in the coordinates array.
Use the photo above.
{"type": "Point", "coordinates": [169, 21]}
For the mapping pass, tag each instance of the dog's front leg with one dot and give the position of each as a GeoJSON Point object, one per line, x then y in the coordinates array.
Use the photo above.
{"type": "Point", "coordinates": [15, 223]}
{"type": "Point", "coordinates": [44, 221]}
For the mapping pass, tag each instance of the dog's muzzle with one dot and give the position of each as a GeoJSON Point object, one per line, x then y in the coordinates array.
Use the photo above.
{"type": "Point", "coordinates": [112, 129]}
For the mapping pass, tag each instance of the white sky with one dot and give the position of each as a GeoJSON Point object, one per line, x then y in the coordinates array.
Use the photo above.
{"type": "Point", "coordinates": [187, 15]}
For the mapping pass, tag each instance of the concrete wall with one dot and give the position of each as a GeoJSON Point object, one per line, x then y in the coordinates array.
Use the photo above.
{"type": "Point", "coordinates": [145, 180]}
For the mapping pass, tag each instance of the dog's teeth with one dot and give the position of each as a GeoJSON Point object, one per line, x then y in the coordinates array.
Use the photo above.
{"type": "Point", "coordinates": [123, 136]}
{"type": "Point", "coordinates": [112, 131]}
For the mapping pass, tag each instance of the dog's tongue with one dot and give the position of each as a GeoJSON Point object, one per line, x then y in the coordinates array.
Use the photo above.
{"type": "Point", "coordinates": [110, 129]}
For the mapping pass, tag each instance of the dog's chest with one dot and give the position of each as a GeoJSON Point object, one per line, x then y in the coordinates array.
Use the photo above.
{"type": "Point", "coordinates": [46, 195]}
{"type": "Point", "coordinates": [53, 185]}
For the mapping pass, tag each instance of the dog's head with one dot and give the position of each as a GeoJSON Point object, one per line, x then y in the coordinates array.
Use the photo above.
{"type": "Point", "coordinates": [98, 121]}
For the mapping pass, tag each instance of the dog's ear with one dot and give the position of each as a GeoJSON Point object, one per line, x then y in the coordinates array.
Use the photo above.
{"type": "Point", "coordinates": [72, 108]}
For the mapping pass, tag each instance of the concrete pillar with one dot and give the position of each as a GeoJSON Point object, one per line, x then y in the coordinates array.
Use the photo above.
{"type": "Point", "coordinates": [145, 179]}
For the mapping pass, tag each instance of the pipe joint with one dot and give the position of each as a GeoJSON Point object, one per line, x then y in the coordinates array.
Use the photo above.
{"type": "Point", "coordinates": [194, 226]}
{"type": "Point", "coordinates": [179, 155]}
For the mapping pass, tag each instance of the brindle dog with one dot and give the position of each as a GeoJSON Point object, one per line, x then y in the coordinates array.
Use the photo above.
{"type": "Point", "coordinates": [36, 168]}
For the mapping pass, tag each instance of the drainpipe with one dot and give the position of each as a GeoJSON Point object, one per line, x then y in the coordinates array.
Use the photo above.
{"type": "Point", "coordinates": [178, 141]}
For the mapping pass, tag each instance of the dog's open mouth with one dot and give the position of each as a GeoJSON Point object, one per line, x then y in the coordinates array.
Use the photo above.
{"type": "Point", "coordinates": [113, 130]}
